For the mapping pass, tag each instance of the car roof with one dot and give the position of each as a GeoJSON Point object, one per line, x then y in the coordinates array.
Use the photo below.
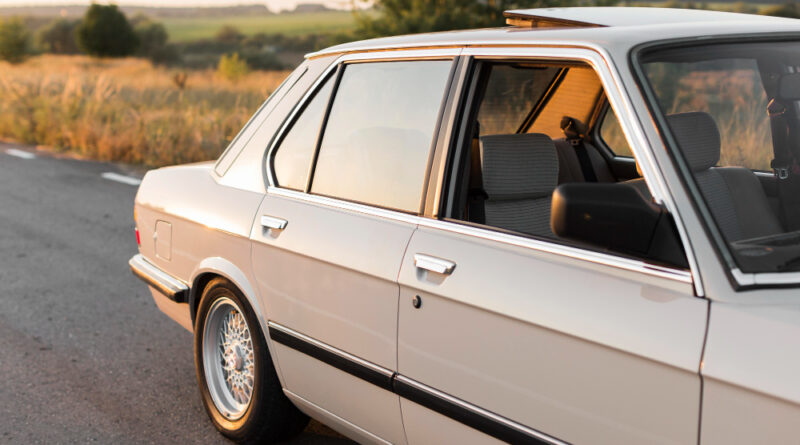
{"type": "Point", "coordinates": [619, 28]}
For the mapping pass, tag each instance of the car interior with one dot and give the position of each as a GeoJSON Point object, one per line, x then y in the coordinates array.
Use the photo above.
{"type": "Point", "coordinates": [533, 128]}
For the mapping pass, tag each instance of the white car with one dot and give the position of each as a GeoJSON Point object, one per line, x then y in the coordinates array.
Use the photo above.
{"type": "Point", "coordinates": [581, 228]}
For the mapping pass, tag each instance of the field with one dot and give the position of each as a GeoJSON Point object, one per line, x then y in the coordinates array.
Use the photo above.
{"type": "Point", "coordinates": [126, 109]}
{"type": "Point", "coordinates": [295, 24]}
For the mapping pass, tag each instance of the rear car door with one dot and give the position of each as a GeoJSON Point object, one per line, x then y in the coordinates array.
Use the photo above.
{"type": "Point", "coordinates": [527, 339]}
{"type": "Point", "coordinates": [348, 175]}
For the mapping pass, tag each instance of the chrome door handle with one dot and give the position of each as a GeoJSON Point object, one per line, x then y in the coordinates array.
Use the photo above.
{"type": "Point", "coordinates": [434, 264]}
{"type": "Point", "coordinates": [270, 222]}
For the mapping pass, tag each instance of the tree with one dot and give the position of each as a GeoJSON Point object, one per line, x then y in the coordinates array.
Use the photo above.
{"type": "Point", "coordinates": [14, 40]}
{"type": "Point", "coordinates": [229, 34]}
{"type": "Point", "coordinates": [106, 32]}
{"type": "Point", "coordinates": [416, 16]}
{"type": "Point", "coordinates": [59, 37]}
{"type": "Point", "coordinates": [153, 39]}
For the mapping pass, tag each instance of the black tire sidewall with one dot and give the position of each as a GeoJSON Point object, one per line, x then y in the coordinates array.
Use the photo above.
{"type": "Point", "coordinates": [247, 425]}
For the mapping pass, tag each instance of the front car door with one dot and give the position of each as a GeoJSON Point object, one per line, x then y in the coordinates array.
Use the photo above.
{"type": "Point", "coordinates": [347, 179]}
{"type": "Point", "coordinates": [527, 339]}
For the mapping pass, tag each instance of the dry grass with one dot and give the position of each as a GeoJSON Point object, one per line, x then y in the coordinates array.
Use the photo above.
{"type": "Point", "coordinates": [738, 103]}
{"type": "Point", "coordinates": [126, 110]}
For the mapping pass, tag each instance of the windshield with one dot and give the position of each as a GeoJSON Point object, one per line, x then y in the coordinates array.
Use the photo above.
{"type": "Point", "coordinates": [732, 113]}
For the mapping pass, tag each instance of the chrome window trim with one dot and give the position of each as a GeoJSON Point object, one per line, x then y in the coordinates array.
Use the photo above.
{"type": "Point", "coordinates": [605, 259]}
{"type": "Point", "coordinates": [478, 410]}
{"type": "Point", "coordinates": [683, 276]}
{"type": "Point", "coordinates": [277, 95]}
{"type": "Point", "coordinates": [359, 57]}
{"type": "Point", "coordinates": [765, 278]}
{"type": "Point", "coordinates": [620, 102]}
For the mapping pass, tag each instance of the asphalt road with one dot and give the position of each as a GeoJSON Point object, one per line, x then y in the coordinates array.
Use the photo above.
{"type": "Point", "coordinates": [85, 355]}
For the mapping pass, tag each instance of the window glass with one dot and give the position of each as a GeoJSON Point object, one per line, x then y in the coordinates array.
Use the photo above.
{"type": "Point", "coordinates": [293, 156]}
{"type": "Point", "coordinates": [238, 143]}
{"type": "Point", "coordinates": [575, 97]}
{"type": "Point", "coordinates": [378, 137]}
{"type": "Point", "coordinates": [714, 99]}
{"type": "Point", "coordinates": [512, 91]}
{"type": "Point", "coordinates": [611, 133]}
{"type": "Point", "coordinates": [731, 91]}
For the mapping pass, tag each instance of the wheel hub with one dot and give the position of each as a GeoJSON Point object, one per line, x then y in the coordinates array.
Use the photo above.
{"type": "Point", "coordinates": [231, 375]}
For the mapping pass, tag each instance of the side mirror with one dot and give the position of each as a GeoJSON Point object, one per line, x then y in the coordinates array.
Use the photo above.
{"type": "Point", "coordinates": [616, 217]}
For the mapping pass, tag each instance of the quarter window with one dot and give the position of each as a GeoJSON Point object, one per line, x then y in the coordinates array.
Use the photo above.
{"type": "Point", "coordinates": [377, 141]}
{"type": "Point", "coordinates": [612, 136]}
{"type": "Point", "coordinates": [293, 157]}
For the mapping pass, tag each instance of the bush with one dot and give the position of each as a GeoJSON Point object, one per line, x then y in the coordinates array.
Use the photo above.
{"type": "Point", "coordinates": [232, 67]}
{"type": "Point", "coordinates": [59, 37]}
{"type": "Point", "coordinates": [153, 44]}
{"type": "Point", "coordinates": [789, 10]}
{"type": "Point", "coordinates": [14, 40]}
{"type": "Point", "coordinates": [229, 34]}
{"type": "Point", "coordinates": [106, 32]}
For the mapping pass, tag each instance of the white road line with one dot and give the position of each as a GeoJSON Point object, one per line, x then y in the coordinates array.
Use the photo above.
{"type": "Point", "coordinates": [20, 153]}
{"type": "Point", "coordinates": [121, 178]}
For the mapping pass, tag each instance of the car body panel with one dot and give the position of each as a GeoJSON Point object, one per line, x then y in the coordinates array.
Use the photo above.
{"type": "Point", "coordinates": [617, 334]}
{"type": "Point", "coordinates": [331, 275]}
{"type": "Point", "coordinates": [750, 369]}
{"type": "Point", "coordinates": [564, 313]}
{"type": "Point", "coordinates": [247, 170]}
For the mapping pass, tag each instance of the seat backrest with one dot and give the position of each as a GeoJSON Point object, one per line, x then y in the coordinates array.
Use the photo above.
{"type": "Point", "coordinates": [520, 172]}
{"type": "Point", "coordinates": [733, 194]}
{"type": "Point", "coordinates": [569, 166]}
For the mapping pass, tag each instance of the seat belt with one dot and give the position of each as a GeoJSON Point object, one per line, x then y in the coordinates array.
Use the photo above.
{"type": "Point", "coordinates": [476, 195]}
{"type": "Point", "coordinates": [575, 137]}
{"type": "Point", "coordinates": [787, 172]}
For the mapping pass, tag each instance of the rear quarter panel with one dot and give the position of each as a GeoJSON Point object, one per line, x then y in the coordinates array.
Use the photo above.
{"type": "Point", "coordinates": [210, 225]}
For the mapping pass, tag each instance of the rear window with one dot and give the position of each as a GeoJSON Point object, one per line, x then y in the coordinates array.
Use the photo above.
{"type": "Point", "coordinates": [377, 141]}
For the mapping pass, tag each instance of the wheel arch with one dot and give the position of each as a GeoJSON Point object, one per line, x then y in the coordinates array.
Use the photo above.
{"type": "Point", "coordinates": [214, 267]}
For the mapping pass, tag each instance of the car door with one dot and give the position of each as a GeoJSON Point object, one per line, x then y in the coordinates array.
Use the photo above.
{"type": "Point", "coordinates": [332, 229]}
{"type": "Point", "coordinates": [530, 340]}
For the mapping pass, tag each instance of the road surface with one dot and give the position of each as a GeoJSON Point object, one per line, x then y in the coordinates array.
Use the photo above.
{"type": "Point", "coordinates": [85, 356]}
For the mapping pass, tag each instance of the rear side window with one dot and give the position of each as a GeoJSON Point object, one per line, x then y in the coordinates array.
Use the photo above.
{"type": "Point", "coordinates": [612, 135]}
{"type": "Point", "coordinates": [293, 158]}
{"type": "Point", "coordinates": [512, 91]}
{"type": "Point", "coordinates": [378, 137]}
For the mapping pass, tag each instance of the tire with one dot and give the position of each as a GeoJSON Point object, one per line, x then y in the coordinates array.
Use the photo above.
{"type": "Point", "coordinates": [252, 407]}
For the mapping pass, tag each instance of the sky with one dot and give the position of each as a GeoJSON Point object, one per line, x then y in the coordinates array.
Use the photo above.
{"type": "Point", "coordinates": [274, 5]}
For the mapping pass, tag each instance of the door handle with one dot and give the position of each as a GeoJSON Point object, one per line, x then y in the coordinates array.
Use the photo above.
{"type": "Point", "coordinates": [270, 222]}
{"type": "Point", "coordinates": [434, 264]}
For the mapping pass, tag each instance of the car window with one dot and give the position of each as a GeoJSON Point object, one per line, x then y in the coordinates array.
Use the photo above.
{"type": "Point", "coordinates": [728, 109]}
{"type": "Point", "coordinates": [506, 180]}
{"type": "Point", "coordinates": [576, 96]}
{"type": "Point", "coordinates": [729, 90]}
{"type": "Point", "coordinates": [378, 136]}
{"type": "Point", "coordinates": [292, 159]}
{"type": "Point", "coordinates": [512, 91]}
{"type": "Point", "coordinates": [237, 144]}
{"type": "Point", "coordinates": [612, 136]}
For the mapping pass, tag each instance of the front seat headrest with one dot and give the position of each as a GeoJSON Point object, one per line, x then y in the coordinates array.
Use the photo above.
{"type": "Point", "coordinates": [698, 137]}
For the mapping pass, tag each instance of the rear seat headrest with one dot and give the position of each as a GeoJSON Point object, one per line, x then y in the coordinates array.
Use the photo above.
{"type": "Point", "coordinates": [518, 166]}
{"type": "Point", "coordinates": [698, 137]}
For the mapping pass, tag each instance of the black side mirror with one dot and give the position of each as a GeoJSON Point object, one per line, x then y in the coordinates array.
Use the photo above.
{"type": "Point", "coordinates": [616, 217]}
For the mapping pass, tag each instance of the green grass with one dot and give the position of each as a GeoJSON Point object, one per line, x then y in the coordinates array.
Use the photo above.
{"type": "Point", "coordinates": [187, 29]}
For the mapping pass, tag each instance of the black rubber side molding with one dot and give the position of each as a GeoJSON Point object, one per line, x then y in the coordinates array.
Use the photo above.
{"type": "Point", "coordinates": [468, 417]}
{"type": "Point", "coordinates": [460, 411]}
{"type": "Point", "coordinates": [335, 360]}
